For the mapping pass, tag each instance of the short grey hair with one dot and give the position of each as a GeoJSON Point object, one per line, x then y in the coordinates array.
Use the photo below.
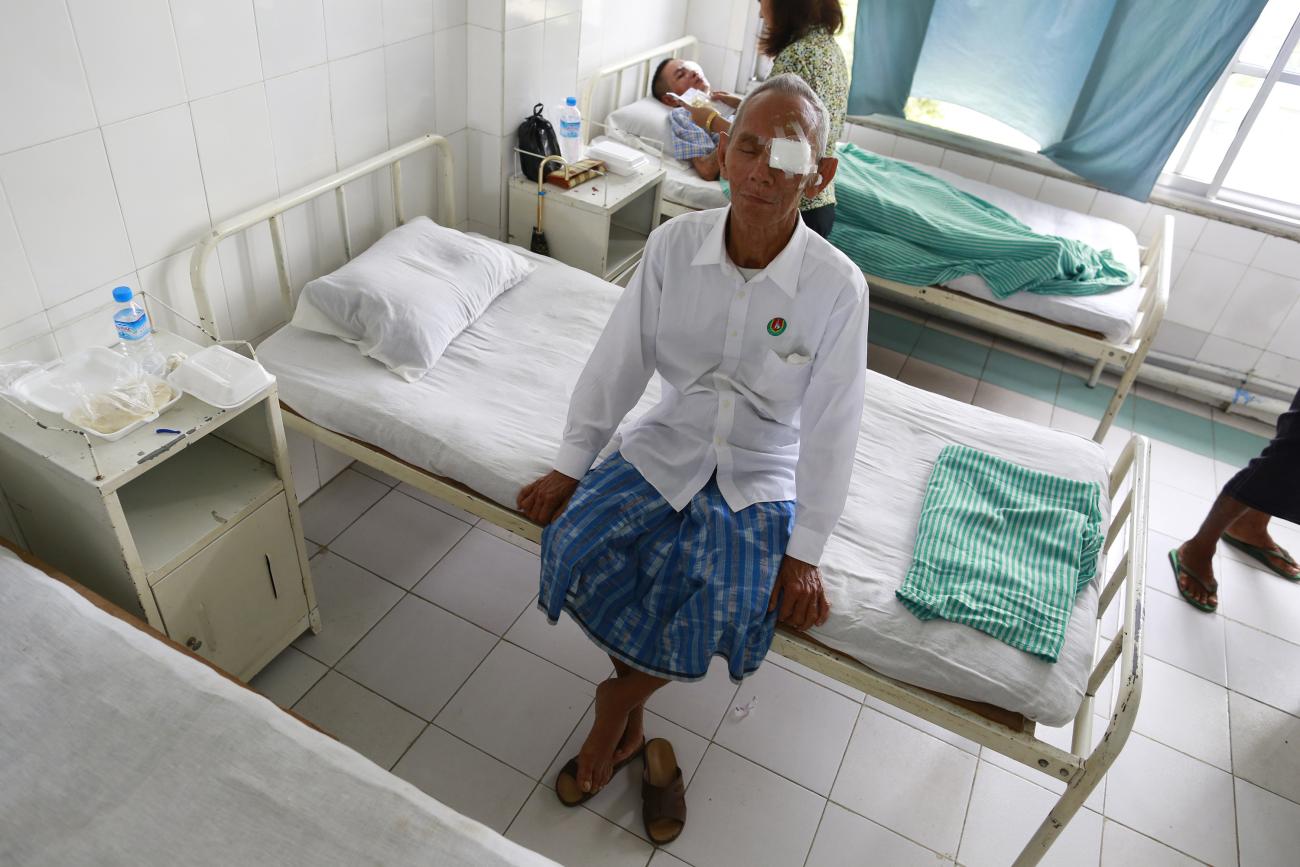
{"type": "Point", "coordinates": [792, 85]}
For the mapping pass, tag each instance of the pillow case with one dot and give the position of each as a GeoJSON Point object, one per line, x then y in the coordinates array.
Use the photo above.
{"type": "Point", "coordinates": [647, 118]}
{"type": "Point", "coordinates": [403, 300]}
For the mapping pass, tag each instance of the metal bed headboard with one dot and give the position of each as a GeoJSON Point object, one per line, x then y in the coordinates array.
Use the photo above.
{"type": "Point", "coordinates": [644, 62]}
{"type": "Point", "coordinates": [271, 212]}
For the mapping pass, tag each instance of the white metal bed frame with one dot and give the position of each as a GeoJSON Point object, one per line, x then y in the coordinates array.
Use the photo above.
{"type": "Point", "coordinates": [1154, 277]}
{"type": "Point", "coordinates": [1081, 767]}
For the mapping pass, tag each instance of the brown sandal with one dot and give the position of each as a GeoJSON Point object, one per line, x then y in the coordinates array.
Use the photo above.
{"type": "Point", "coordinates": [663, 794]}
{"type": "Point", "coordinates": [566, 782]}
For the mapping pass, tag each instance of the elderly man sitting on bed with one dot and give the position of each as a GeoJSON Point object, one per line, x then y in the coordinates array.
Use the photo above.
{"type": "Point", "coordinates": [709, 523]}
{"type": "Point", "coordinates": [695, 128]}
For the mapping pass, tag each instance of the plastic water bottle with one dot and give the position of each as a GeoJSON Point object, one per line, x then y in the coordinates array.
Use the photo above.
{"type": "Point", "coordinates": [135, 332]}
{"type": "Point", "coordinates": [571, 131]}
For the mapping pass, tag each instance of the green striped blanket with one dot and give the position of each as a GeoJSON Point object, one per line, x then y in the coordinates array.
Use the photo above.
{"type": "Point", "coordinates": [897, 222]}
{"type": "Point", "coordinates": [1004, 549]}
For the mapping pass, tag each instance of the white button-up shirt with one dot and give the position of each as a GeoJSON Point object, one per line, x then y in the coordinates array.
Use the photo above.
{"type": "Point", "coordinates": [762, 379]}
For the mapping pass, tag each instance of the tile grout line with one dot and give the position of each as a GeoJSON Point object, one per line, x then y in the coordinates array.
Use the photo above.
{"type": "Point", "coordinates": [970, 799]}
{"type": "Point", "coordinates": [1148, 837]}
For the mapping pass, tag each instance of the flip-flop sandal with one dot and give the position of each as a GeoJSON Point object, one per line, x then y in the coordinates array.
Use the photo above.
{"type": "Point", "coordinates": [1180, 570]}
{"type": "Point", "coordinates": [566, 783]}
{"type": "Point", "coordinates": [1267, 556]}
{"type": "Point", "coordinates": [663, 794]}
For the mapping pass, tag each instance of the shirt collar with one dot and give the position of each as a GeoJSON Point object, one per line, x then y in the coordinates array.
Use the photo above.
{"type": "Point", "coordinates": [784, 270]}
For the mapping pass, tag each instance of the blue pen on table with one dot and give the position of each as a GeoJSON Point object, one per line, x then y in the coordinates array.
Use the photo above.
{"type": "Point", "coordinates": [167, 430]}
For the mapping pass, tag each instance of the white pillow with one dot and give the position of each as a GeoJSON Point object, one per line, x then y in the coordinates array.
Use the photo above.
{"type": "Point", "coordinates": [647, 118]}
{"type": "Point", "coordinates": [407, 297]}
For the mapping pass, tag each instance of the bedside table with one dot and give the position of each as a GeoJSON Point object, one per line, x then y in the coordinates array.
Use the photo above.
{"type": "Point", "coordinates": [599, 226]}
{"type": "Point", "coordinates": [196, 533]}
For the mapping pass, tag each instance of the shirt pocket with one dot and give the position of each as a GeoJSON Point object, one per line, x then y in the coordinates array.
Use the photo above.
{"type": "Point", "coordinates": [784, 379]}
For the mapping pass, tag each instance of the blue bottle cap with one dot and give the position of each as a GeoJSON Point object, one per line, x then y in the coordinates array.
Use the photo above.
{"type": "Point", "coordinates": [122, 293]}
{"type": "Point", "coordinates": [572, 100]}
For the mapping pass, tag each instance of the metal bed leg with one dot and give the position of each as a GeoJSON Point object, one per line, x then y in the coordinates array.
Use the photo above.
{"type": "Point", "coordinates": [1125, 385]}
{"type": "Point", "coordinates": [1096, 373]}
{"type": "Point", "coordinates": [1078, 790]}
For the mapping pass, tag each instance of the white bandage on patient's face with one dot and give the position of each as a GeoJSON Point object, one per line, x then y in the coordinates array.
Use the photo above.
{"type": "Point", "coordinates": [794, 157]}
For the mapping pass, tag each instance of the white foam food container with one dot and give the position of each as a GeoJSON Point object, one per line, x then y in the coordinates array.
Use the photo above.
{"type": "Point", "coordinates": [619, 159]}
{"type": "Point", "coordinates": [58, 387]}
{"type": "Point", "coordinates": [220, 377]}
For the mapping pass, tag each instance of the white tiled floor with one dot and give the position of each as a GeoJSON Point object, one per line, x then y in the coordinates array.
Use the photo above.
{"type": "Point", "coordinates": [436, 662]}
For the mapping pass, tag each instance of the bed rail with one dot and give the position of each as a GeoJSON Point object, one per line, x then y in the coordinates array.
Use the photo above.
{"type": "Point", "coordinates": [643, 63]}
{"type": "Point", "coordinates": [1132, 469]}
{"type": "Point", "coordinates": [271, 212]}
{"type": "Point", "coordinates": [1156, 267]}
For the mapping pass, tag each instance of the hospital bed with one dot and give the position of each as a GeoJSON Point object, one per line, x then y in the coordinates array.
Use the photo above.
{"type": "Point", "coordinates": [121, 746]}
{"type": "Point", "coordinates": [1116, 328]}
{"type": "Point", "coordinates": [489, 416]}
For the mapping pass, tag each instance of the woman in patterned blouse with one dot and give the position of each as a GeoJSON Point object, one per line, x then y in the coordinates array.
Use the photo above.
{"type": "Point", "coordinates": [800, 36]}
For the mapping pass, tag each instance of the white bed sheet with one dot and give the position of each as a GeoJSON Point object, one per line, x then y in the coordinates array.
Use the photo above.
{"type": "Point", "coordinates": [491, 413]}
{"type": "Point", "coordinates": [117, 749]}
{"type": "Point", "coordinates": [684, 186]}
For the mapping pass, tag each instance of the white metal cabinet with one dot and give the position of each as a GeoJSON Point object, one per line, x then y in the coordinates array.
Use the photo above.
{"type": "Point", "coordinates": [230, 601]}
{"type": "Point", "coordinates": [599, 227]}
{"type": "Point", "coordinates": [172, 527]}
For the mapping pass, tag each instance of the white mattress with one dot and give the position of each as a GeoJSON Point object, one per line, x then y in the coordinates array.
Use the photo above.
{"type": "Point", "coordinates": [1112, 314]}
{"type": "Point", "coordinates": [491, 413]}
{"type": "Point", "coordinates": [684, 186]}
{"type": "Point", "coordinates": [117, 749]}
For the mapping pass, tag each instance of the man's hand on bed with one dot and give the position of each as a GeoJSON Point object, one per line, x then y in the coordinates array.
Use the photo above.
{"type": "Point", "coordinates": [799, 592]}
{"type": "Point", "coordinates": [546, 498]}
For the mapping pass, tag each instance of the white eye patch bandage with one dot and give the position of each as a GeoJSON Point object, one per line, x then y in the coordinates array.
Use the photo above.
{"type": "Point", "coordinates": [794, 157]}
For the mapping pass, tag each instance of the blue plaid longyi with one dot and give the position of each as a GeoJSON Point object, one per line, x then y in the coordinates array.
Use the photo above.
{"type": "Point", "coordinates": [665, 591]}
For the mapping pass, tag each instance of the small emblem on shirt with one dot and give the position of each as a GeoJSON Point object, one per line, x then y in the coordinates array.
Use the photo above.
{"type": "Point", "coordinates": [776, 326]}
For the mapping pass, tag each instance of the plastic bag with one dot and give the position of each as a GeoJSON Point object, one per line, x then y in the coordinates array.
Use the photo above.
{"type": "Point", "coordinates": [130, 400]}
{"type": "Point", "coordinates": [11, 372]}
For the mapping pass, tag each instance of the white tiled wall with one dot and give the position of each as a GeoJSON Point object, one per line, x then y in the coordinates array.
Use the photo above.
{"type": "Point", "coordinates": [127, 127]}
{"type": "Point", "coordinates": [1235, 300]}
{"type": "Point", "coordinates": [719, 25]}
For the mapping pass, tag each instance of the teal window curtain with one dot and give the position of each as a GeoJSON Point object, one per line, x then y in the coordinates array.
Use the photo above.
{"type": "Point", "coordinates": [1107, 87]}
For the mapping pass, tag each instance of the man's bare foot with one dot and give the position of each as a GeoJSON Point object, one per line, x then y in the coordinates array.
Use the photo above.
{"type": "Point", "coordinates": [1202, 587]}
{"type": "Point", "coordinates": [596, 758]}
{"type": "Point", "coordinates": [633, 735]}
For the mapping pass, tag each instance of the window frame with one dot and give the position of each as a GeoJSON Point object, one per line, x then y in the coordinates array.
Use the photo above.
{"type": "Point", "coordinates": [1213, 190]}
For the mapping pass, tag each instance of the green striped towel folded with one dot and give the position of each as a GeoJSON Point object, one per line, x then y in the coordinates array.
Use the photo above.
{"type": "Point", "coordinates": [1004, 549]}
{"type": "Point", "coordinates": [898, 222]}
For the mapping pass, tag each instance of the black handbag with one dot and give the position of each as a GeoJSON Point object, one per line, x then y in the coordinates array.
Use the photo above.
{"type": "Point", "coordinates": [536, 136]}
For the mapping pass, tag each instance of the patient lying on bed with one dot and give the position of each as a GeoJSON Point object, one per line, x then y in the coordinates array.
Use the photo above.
{"type": "Point", "coordinates": [708, 524]}
{"type": "Point", "coordinates": [694, 135]}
